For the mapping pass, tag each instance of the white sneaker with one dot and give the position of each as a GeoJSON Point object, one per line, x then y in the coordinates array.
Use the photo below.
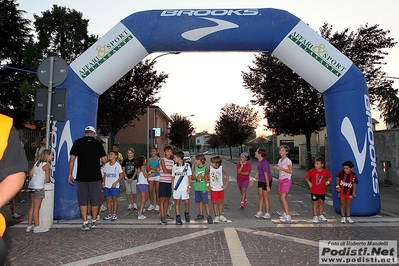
{"type": "Point", "coordinates": [134, 206]}
{"type": "Point", "coordinates": [322, 218]}
{"type": "Point", "coordinates": [98, 217]}
{"type": "Point", "coordinates": [349, 219]}
{"type": "Point", "coordinates": [141, 217]}
{"type": "Point", "coordinates": [39, 229]}
{"type": "Point", "coordinates": [266, 216]}
{"type": "Point", "coordinates": [216, 220]}
{"type": "Point", "coordinates": [156, 208]}
{"type": "Point", "coordinates": [16, 216]}
{"type": "Point", "coordinates": [286, 218]}
{"type": "Point", "coordinates": [258, 214]}
{"type": "Point", "coordinates": [89, 217]}
{"type": "Point", "coordinates": [222, 218]}
{"type": "Point", "coordinates": [315, 219]}
{"type": "Point", "coordinates": [151, 207]}
{"type": "Point", "coordinates": [129, 207]}
{"type": "Point", "coordinates": [29, 228]}
{"type": "Point", "coordinates": [343, 220]}
{"type": "Point", "coordinates": [282, 216]}
{"type": "Point", "coordinates": [103, 208]}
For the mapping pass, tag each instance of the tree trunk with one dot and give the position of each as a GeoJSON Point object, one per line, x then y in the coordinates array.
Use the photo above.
{"type": "Point", "coordinates": [309, 162]}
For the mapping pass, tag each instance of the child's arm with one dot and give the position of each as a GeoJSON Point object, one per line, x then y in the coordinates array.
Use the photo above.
{"type": "Point", "coordinates": [254, 179]}
{"type": "Point", "coordinates": [104, 176]}
{"type": "Point", "coordinates": [46, 169]}
{"type": "Point", "coordinates": [354, 190]}
{"type": "Point", "coordinates": [32, 170]}
{"type": "Point", "coordinates": [267, 181]}
{"type": "Point", "coordinates": [224, 186]}
{"type": "Point", "coordinates": [121, 176]}
{"type": "Point", "coordinates": [164, 169]}
{"type": "Point", "coordinates": [337, 183]}
{"type": "Point", "coordinates": [207, 179]}
{"type": "Point", "coordinates": [307, 179]}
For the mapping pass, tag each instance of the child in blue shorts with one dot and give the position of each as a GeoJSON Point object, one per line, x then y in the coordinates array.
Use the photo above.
{"type": "Point", "coordinates": [113, 173]}
{"type": "Point", "coordinates": [201, 189]}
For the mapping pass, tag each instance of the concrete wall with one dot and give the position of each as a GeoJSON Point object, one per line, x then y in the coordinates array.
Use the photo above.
{"type": "Point", "coordinates": [387, 149]}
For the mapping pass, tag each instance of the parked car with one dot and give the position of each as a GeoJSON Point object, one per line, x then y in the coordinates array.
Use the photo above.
{"type": "Point", "coordinates": [187, 157]}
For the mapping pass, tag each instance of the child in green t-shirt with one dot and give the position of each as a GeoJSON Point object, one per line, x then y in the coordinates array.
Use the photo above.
{"type": "Point", "coordinates": [200, 187]}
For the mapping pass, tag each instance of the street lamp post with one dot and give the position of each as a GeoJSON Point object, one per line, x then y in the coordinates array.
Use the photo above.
{"type": "Point", "coordinates": [148, 108]}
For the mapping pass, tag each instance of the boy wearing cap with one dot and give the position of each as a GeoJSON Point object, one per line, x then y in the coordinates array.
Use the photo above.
{"type": "Point", "coordinates": [88, 176]}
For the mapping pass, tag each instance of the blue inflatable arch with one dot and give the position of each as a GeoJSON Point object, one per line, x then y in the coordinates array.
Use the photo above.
{"type": "Point", "coordinates": [348, 118]}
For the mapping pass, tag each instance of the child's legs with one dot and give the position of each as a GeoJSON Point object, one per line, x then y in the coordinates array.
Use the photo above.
{"type": "Point", "coordinates": [115, 201]}
{"type": "Point", "coordinates": [260, 199]}
{"type": "Point", "coordinates": [30, 212]}
{"type": "Point", "coordinates": [284, 203]}
{"type": "Point", "coordinates": [109, 204]}
{"type": "Point", "coordinates": [348, 207]}
{"type": "Point", "coordinates": [88, 207]}
{"type": "Point", "coordinates": [142, 201]}
{"type": "Point", "coordinates": [186, 205]}
{"type": "Point", "coordinates": [200, 204]}
{"type": "Point", "coordinates": [37, 203]}
{"type": "Point", "coordinates": [243, 194]}
{"type": "Point", "coordinates": [177, 206]}
{"type": "Point", "coordinates": [220, 207]}
{"type": "Point", "coordinates": [321, 205]}
{"type": "Point", "coordinates": [342, 205]}
{"type": "Point", "coordinates": [207, 210]}
{"type": "Point", "coordinates": [314, 207]}
{"type": "Point", "coordinates": [12, 206]}
{"type": "Point", "coordinates": [128, 187]}
{"type": "Point", "coordinates": [215, 209]}
{"type": "Point", "coordinates": [151, 188]}
{"type": "Point", "coordinates": [266, 200]}
{"type": "Point", "coordinates": [157, 192]}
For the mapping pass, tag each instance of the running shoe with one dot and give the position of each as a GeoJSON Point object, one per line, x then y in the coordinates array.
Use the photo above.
{"type": "Point", "coordinates": [16, 216]}
{"type": "Point", "coordinates": [282, 216]}
{"type": "Point", "coordinates": [168, 217]}
{"type": "Point", "coordinates": [343, 220]}
{"type": "Point", "coordinates": [322, 218]}
{"type": "Point", "coordinates": [85, 227]}
{"type": "Point", "coordinates": [178, 220]}
{"type": "Point", "coordinates": [199, 217]}
{"type": "Point", "coordinates": [286, 218]}
{"type": "Point", "coordinates": [187, 217]}
{"type": "Point", "coordinates": [93, 225]}
{"type": "Point", "coordinates": [258, 214]}
{"type": "Point", "coordinates": [209, 220]}
{"type": "Point", "coordinates": [38, 229]}
{"type": "Point", "coordinates": [266, 216]}
{"type": "Point", "coordinates": [29, 228]}
{"type": "Point", "coordinates": [242, 204]}
{"type": "Point", "coordinates": [222, 218]}
{"type": "Point", "coordinates": [134, 206]}
{"type": "Point", "coordinates": [108, 217]}
{"type": "Point", "coordinates": [216, 220]}
{"type": "Point", "coordinates": [151, 207]}
{"type": "Point", "coordinates": [245, 202]}
{"type": "Point", "coordinates": [129, 207]}
{"type": "Point", "coordinates": [163, 221]}
{"type": "Point", "coordinates": [349, 219]}
{"type": "Point", "coordinates": [114, 217]}
{"type": "Point", "coordinates": [156, 208]}
{"type": "Point", "coordinates": [315, 219]}
{"type": "Point", "coordinates": [141, 217]}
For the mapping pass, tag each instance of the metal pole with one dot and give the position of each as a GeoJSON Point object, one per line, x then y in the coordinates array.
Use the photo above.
{"type": "Point", "coordinates": [49, 100]}
{"type": "Point", "coordinates": [148, 131]}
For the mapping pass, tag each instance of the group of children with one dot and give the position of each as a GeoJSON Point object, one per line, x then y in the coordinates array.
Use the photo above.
{"type": "Point", "coordinates": [317, 178]}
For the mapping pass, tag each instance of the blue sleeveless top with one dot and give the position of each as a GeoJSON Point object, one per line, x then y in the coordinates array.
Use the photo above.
{"type": "Point", "coordinates": [154, 164]}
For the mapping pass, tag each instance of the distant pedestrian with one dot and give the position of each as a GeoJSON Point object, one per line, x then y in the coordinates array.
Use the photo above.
{"type": "Point", "coordinates": [142, 184]}
{"type": "Point", "coordinates": [346, 183]}
{"type": "Point", "coordinates": [153, 180]}
{"type": "Point", "coordinates": [115, 147]}
{"type": "Point", "coordinates": [39, 174]}
{"type": "Point", "coordinates": [165, 183]}
{"type": "Point", "coordinates": [318, 179]}
{"type": "Point", "coordinates": [130, 177]}
{"type": "Point", "coordinates": [89, 151]}
{"type": "Point", "coordinates": [284, 168]}
{"type": "Point", "coordinates": [13, 165]}
{"type": "Point", "coordinates": [201, 189]}
{"type": "Point", "coordinates": [181, 180]}
{"type": "Point", "coordinates": [265, 180]}
{"type": "Point", "coordinates": [214, 176]}
{"type": "Point", "coordinates": [244, 168]}
{"type": "Point", "coordinates": [112, 175]}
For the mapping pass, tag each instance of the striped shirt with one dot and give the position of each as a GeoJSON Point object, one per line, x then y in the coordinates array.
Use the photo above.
{"type": "Point", "coordinates": [166, 178]}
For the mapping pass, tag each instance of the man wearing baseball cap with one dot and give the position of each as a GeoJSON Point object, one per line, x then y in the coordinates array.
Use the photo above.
{"type": "Point", "coordinates": [88, 177]}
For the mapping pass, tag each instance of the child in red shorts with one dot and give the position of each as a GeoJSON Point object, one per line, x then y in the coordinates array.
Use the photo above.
{"type": "Point", "coordinates": [346, 182]}
{"type": "Point", "coordinates": [214, 177]}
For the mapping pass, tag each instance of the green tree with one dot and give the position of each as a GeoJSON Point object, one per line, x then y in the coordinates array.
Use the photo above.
{"type": "Point", "coordinates": [181, 129]}
{"type": "Point", "coordinates": [291, 106]}
{"type": "Point", "coordinates": [129, 98]}
{"type": "Point", "coordinates": [214, 141]}
{"type": "Point", "coordinates": [14, 37]}
{"type": "Point", "coordinates": [243, 119]}
{"type": "Point", "coordinates": [62, 32]}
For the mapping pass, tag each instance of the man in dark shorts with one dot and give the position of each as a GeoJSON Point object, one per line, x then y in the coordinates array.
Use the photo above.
{"type": "Point", "coordinates": [13, 164]}
{"type": "Point", "coordinates": [88, 177]}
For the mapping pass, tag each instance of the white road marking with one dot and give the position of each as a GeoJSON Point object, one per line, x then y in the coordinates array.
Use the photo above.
{"type": "Point", "coordinates": [237, 252]}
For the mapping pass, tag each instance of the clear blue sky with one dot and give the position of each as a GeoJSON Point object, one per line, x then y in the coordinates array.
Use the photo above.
{"type": "Point", "coordinates": [217, 76]}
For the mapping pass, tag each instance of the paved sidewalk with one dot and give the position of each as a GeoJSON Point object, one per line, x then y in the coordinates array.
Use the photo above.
{"type": "Point", "coordinates": [242, 240]}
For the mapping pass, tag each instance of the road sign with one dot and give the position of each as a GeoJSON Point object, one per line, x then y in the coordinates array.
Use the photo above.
{"type": "Point", "coordinates": [60, 71]}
